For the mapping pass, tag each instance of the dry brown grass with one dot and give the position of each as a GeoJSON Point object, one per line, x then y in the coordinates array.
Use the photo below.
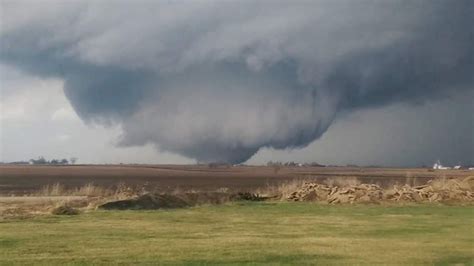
{"type": "Point", "coordinates": [31, 206]}
{"type": "Point", "coordinates": [57, 196]}
{"type": "Point", "coordinates": [51, 190]}
{"type": "Point", "coordinates": [282, 190]}
{"type": "Point", "coordinates": [444, 183]}
{"type": "Point", "coordinates": [90, 190]}
{"type": "Point", "coordinates": [28, 179]}
{"type": "Point", "coordinates": [341, 181]}
{"type": "Point", "coordinates": [89, 196]}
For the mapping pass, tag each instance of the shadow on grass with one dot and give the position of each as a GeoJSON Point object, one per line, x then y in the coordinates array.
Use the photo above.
{"type": "Point", "coordinates": [8, 243]}
{"type": "Point", "coordinates": [455, 260]}
{"type": "Point", "coordinates": [296, 259]}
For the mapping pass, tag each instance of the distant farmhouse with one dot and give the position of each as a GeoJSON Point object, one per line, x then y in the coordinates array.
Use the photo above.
{"type": "Point", "coordinates": [439, 166]}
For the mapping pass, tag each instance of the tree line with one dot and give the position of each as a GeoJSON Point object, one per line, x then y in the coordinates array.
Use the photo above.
{"type": "Point", "coordinates": [42, 160]}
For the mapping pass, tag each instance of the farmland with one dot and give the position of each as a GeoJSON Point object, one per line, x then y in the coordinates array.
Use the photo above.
{"type": "Point", "coordinates": [233, 231]}
{"type": "Point", "coordinates": [24, 179]}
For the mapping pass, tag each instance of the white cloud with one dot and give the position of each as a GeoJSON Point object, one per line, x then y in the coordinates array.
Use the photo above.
{"type": "Point", "coordinates": [36, 119]}
{"type": "Point", "coordinates": [64, 137]}
{"type": "Point", "coordinates": [64, 114]}
{"type": "Point", "coordinates": [27, 98]}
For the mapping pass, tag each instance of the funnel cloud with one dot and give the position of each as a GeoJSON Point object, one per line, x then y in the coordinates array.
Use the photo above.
{"type": "Point", "coordinates": [219, 80]}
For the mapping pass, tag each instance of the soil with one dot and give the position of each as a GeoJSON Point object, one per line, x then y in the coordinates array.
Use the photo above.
{"type": "Point", "coordinates": [26, 179]}
{"type": "Point", "coordinates": [152, 201]}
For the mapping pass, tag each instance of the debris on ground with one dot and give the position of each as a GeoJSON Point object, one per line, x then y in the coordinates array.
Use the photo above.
{"type": "Point", "coordinates": [339, 191]}
{"type": "Point", "coordinates": [442, 190]}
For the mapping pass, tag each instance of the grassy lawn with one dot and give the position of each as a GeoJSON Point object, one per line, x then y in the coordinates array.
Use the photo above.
{"type": "Point", "coordinates": [247, 233]}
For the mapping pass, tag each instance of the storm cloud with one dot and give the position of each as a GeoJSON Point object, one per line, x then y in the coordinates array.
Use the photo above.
{"type": "Point", "coordinates": [217, 80]}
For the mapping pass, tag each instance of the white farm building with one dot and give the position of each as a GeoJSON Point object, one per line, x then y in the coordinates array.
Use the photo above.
{"type": "Point", "coordinates": [439, 166]}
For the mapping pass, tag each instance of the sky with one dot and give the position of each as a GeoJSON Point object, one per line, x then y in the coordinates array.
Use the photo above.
{"type": "Point", "coordinates": [335, 82]}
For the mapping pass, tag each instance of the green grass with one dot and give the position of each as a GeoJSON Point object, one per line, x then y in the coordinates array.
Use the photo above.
{"type": "Point", "coordinates": [247, 233]}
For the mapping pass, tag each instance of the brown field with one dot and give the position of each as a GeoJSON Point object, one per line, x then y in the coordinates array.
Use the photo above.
{"type": "Point", "coordinates": [48, 213]}
{"type": "Point", "coordinates": [26, 179]}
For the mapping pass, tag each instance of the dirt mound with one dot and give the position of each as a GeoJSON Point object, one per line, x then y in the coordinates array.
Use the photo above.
{"type": "Point", "coordinates": [153, 201]}
{"type": "Point", "coordinates": [435, 191]}
{"type": "Point", "coordinates": [146, 202]}
{"type": "Point", "coordinates": [65, 210]}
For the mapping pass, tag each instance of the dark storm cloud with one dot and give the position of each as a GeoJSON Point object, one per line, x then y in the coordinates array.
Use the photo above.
{"type": "Point", "coordinates": [437, 60]}
{"type": "Point", "coordinates": [219, 80]}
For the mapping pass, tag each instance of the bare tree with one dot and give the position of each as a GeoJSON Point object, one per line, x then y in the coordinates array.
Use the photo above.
{"type": "Point", "coordinates": [73, 160]}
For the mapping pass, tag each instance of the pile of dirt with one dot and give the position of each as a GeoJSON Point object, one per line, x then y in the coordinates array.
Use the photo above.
{"type": "Point", "coordinates": [146, 202]}
{"type": "Point", "coordinates": [435, 191]}
{"type": "Point", "coordinates": [154, 201]}
{"type": "Point", "coordinates": [65, 210]}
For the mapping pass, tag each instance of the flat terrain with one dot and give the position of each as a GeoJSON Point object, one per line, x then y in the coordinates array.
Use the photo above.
{"type": "Point", "coordinates": [247, 233]}
{"type": "Point", "coordinates": [24, 179]}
